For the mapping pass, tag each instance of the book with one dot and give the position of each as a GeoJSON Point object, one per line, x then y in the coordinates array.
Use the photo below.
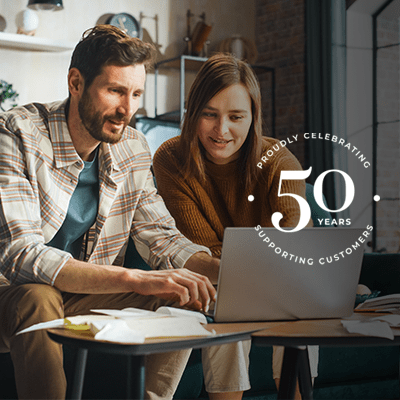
{"type": "Point", "coordinates": [133, 325]}
{"type": "Point", "coordinates": [138, 329]}
{"type": "Point", "coordinates": [388, 303]}
{"type": "Point", "coordinates": [138, 313]}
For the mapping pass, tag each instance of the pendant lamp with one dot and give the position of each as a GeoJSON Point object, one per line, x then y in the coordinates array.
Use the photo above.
{"type": "Point", "coordinates": [50, 5]}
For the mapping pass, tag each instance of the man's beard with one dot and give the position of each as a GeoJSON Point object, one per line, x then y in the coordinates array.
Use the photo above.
{"type": "Point", "coordinates": [94, 122]}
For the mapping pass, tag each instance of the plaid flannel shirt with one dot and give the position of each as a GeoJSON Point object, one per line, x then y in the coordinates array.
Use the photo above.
{"type": "Point", "coordinates": [39, 170]}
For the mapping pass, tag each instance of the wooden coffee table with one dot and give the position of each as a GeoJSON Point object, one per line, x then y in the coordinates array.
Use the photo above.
{"type": "Point", "coordinates": [296, 335]}
{"type": "Point", "coordinates": [83, 342]}
{"type": "Point", "coordinates": [293, 335]}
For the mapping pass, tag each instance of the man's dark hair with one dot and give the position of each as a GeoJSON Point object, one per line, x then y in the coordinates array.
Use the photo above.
{"type": "Point", "coordinates": [107, 45]}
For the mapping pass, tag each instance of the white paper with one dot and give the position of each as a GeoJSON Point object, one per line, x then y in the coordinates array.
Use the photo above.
{"type": "Point", "coordinates": [127, 313]}
{"type": "Point", "coordinates": [388, 301]}
{"type": "Point", "coordinates": [131, 312]}
{"type": "Point", "coordinates": [116, 330]}
{"type": "Point", "coordinates": [133, 330]}
{"type": "Point", "coordinates": [133, 325]}
{"type": "Point", "coordinates": [44, 325]}
{"type": "Point", "coordinates": [392, 320]}
{"type": "Point", "coordinates": [86, 319]}
{"type": "Point", "coordinates": [168, 327]}
{"type": "Point", "coordinates": [369, 328]}
{"type": "Point", "coordinates": [58, 323]}
{"type": "Point", "coordinates": [180, 312]}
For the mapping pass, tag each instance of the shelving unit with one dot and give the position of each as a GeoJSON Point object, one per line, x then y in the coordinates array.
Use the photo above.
{"type": "Point", "coordinates": [33, 43]}
{"type": "Point", "coordinates": [184, 62]}
{"type": "Point", "coordinates": [192, 63]}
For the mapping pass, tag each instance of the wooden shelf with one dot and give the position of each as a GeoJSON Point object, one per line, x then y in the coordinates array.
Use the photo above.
{"type": "Point", "coordinates": [32, 43]}
{"type": "Point", "coordinates": [192, 63]}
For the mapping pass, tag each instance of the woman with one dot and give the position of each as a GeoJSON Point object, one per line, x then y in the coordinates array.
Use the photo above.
{"type": "Point", "coordinates": [207, 174]}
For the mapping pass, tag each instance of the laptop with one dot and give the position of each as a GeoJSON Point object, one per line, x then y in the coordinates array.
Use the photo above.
{"type": "Point", "coordinates": [269, 275]}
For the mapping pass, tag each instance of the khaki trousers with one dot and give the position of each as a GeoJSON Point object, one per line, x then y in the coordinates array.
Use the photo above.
{"type": "Point", "coordinates": [38, 361]}
{"type": "Point", "coordinates": [226, 367]}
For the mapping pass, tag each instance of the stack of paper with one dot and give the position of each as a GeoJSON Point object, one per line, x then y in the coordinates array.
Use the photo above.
{"type": "Point", "coordinates": [133, 325]}
{"type": "Point", "coordinates": [388, 303]}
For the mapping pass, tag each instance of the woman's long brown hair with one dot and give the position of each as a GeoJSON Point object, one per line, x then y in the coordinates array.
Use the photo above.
{"type": "Point", "coordinates": [217, 73]}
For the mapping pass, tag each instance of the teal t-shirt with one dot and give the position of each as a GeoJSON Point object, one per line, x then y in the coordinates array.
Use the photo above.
{"type": "Point", "coordinates": [82, 211]}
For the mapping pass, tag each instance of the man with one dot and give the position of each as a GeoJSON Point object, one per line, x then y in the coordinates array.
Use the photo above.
{"type": "Point", "coordinates": [75, 183]}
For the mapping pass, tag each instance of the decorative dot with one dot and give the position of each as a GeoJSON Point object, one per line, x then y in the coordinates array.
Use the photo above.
{"type": "Point", "coordinates": [377, 197]}
{"type": "Point", "coordinates": [250, 198]}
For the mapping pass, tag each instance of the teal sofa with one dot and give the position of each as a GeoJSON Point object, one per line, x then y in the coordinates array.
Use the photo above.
{"type": "Point", "coordinates": [344, 373]}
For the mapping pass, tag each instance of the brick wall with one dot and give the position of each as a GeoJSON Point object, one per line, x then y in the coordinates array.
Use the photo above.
{"type": "Point", "coordinates": [280, 39]}
{"type": "Point", "coordinates": [388, 149]}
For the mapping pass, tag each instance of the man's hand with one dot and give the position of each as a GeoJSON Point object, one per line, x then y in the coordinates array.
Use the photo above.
{"type": "Point", "coordinates": [186, 287]}
{"type": "Point", "coordinates": [204, 264]}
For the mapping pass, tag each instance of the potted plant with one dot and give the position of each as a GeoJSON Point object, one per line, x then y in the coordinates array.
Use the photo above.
{"type": "Point", "coordinates": [7, 93]}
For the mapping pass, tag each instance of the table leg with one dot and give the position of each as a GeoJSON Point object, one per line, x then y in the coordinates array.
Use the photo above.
{"type": "Point", "coordinates": [75, 390]}
{"type": "Point", "coordinates": [304, 374]}
{"type": "Point", "coordinates": [136, 377]}
{"type": "Point", "coordinates": [289, 372]}
{"type": "Point", "coordinates": [295, 366]}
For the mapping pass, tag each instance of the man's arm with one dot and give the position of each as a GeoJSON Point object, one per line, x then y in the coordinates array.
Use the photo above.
{"type": "Point", "coordinates": [24, 257]}
{"type": "Point", "coordinates": [189, 288]}
{"type": "Point", "coordinates": [204, 264]}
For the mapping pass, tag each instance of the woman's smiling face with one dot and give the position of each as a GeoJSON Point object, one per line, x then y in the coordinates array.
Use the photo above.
{"type": "Point", "coordinates": [224, 124]}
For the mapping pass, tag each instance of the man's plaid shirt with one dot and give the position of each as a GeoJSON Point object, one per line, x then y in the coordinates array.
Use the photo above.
{"type": "Point", "coordinates": [39, 171]}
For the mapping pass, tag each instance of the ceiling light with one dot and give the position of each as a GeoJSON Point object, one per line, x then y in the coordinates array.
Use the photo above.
{"type": "Point", "coordinates": [51, 5]}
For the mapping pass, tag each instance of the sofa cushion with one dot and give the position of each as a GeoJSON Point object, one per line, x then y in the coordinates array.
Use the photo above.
{"type": "Point", "coordinates": [381, 272]}
{"type": "Point", "coordinates": [341, 365]}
